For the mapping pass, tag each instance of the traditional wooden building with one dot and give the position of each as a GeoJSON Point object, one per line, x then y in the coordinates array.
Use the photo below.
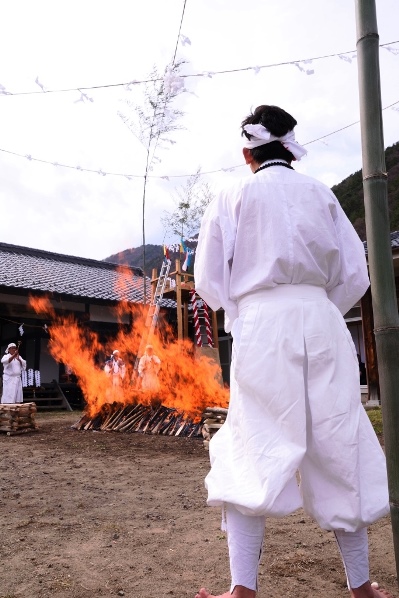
{"type": "Point", "coordinates": [88, 289]}
{"type": "Point", "coordinates": [361, 324]}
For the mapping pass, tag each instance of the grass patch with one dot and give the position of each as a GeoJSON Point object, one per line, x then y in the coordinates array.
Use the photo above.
{"type": "Point", "coordinates": [375, 416]}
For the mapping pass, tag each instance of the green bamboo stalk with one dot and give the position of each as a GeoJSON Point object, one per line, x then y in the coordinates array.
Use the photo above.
{"type": "Point", "coordinates": [385, 309]}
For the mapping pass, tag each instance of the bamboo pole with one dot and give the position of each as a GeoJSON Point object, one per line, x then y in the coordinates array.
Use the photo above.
{"type": "Point", "coordinates": [386, 321]}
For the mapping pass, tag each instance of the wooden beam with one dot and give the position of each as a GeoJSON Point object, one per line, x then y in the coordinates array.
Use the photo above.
{"type": "Point", "coordinates": [185, 319]}
{"type": "Point", "coordinates": [153, 282]}
{"type": "Point", "coordinates": [215, 329]}
{"type": "Point", "coordinates": [369, 346]}
{"type": "Point", "coordinates": [179, 305]}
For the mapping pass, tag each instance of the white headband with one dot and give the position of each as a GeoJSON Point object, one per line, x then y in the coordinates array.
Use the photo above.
{"type": "Point", "coordinates": [260, 136]}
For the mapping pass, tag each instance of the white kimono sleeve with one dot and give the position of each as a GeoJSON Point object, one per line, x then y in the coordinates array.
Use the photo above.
{"type": "Point", "coordinates": [213, 263]}
{"type": "Point", "coordinates": [354, 279]}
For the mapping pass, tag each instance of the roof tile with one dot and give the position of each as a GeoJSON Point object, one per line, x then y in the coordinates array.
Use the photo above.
{"type": "Point", "coordinates": [34, 269]}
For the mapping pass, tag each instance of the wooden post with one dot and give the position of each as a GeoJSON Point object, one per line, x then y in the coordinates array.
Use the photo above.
{"type": "Point", "coordinates": [185, 319]}
{"type": "Point", "coordinates": [215, 329]}
{"type": "Point", "coordinates": [38, 342]}
{"type": "Point", "coordinates": [178, 301]}
{"type": "Point", "coordinates": [369, 346]}
{"type": "Point", "coordinates": [153, 283]}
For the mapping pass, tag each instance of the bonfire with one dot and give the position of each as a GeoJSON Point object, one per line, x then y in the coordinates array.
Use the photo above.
{"type": "Point", "coordinates": [189, 382]}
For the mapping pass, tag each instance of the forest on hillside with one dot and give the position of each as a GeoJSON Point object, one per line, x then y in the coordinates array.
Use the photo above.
{"type": "Point", "coordinates": [350, 194]}
{"type": "Point", "coordinates": [134, 257]}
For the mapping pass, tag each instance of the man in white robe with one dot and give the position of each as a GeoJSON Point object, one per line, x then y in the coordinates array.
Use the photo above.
{"type": "Point", "coordinates": [115, 368]}
{"type": "Point", "coordinates": [149, 366]}
{"type": "Point", "coordinates": [278, 254]}
{"type": "Point", "coordinates": [13, 365]}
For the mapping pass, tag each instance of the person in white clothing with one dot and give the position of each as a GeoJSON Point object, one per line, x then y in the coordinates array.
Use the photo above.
{"type": "Point", "coordinates": [149, 366]}
{"type": "Point", "coordinates": [278, 254]}
{"type": "Point", "coordinates": [13, 365]}
{"type": "Point", "coordinates": [115, 368]}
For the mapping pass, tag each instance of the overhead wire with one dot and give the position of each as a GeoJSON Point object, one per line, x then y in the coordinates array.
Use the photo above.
{"type": "Point", "coordinates": [185, 76]}
{"type": "Point", "coordinates": [179, 33]}
{"type": "Point", "coordinates": [130, 175]}
{"type": "Point", "coordinates": [170, 176]}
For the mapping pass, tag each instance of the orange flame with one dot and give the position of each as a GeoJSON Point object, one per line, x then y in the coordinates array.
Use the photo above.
{"type": "Point", "coordinates": [189, 381]}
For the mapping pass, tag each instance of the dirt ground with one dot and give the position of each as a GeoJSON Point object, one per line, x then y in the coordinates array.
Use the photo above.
{"type": "Point", "coordinates": [86, 514]}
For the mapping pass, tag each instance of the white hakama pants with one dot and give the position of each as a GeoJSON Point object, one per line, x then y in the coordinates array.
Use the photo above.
{"type": "Point", "coordinates": [12, 389]}
{"type": "Point", "coordinates": [295, 406]}
{"type": "Point", "coordinates": [245, 539]}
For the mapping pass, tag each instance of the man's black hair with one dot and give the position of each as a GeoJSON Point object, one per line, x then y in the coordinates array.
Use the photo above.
{"type": "Point", "coordinates": [279, 123]}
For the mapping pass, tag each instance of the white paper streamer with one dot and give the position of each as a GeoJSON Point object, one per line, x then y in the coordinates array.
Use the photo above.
{"type": "Point", "coordinates": [30, 377]}
{"type": "Point", "coordinates": [37, 378]}
{"type": "Point", "coordinates": [40, 84]}
{"type": "Point", "coordinates": [3, 90]}
{"type": "Point", "coordinates": [392, 50]}
{"type": "Point", "coordinates": [185, 40]}
{"type": "Point", "coordinates": [345, 58]}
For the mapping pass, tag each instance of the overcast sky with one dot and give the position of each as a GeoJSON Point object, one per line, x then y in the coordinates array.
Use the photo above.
{"type": "Point", "coordinates": [91, 43]}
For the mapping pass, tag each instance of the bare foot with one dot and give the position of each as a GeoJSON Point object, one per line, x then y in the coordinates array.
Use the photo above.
{"type": "Point", "coordinates": [203, 593]}
{"type": "Point", "coordinates": [367, 590]}
{"type": "Point", "coordinates": [238, 592]}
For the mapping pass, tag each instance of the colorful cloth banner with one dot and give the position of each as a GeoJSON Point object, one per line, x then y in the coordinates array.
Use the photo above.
{"type": "Point", "coordinates": [181, 247]}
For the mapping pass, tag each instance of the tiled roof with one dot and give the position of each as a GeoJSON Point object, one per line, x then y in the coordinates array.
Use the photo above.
{"type": "Point", "coordinates": [394, 241]}
{"type": "Point", "coordinates": [37, 270]}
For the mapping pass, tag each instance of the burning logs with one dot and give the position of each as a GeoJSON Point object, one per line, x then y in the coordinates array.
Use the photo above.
{"type": "Point", "coordinates": [213, 420]}
{"type": "Point", "coordinates": [17, 418]}
{"type": "Point", "coordinates": [140, 418]}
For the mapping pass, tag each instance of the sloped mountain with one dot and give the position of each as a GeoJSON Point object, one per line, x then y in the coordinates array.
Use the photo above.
{"type": "Point", "coordinates": [349, 192]}
{"type": "Point", "coordinates": [134, 257]}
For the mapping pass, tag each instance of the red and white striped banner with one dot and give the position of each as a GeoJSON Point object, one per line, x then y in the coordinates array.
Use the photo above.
{"type": "Point", "coordinates": [208, 325]}
{"type": "Point", "coordinates": [197, 330]}
{"type": "Point", "coordinates": [197, 325]}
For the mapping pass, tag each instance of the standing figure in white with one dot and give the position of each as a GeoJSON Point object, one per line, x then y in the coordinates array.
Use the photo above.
{"type": "Point", "coordinates": [149, 367]}
{"type": "Point", "coordinates": [278, 253]}
{"type": "Point", "coordinates": [13, 365]}
{"type": "Point", "coordinates": [115, 368]}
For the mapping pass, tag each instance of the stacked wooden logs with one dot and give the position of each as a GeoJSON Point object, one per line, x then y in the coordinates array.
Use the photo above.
{"type": "Point", "coordinates": [17, 418]}
{"type": "Point", "coordinates": [213, 419]}
{"type": "Point", "coordinates": [140, 418]}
